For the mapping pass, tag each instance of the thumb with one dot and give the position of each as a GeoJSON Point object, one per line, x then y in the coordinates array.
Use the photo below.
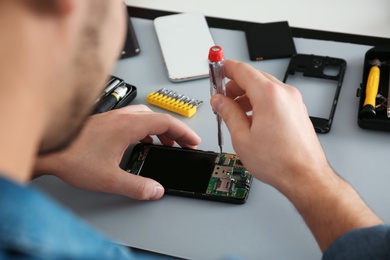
{"type": "Point", "coordinates": [232, 114]}
{"type": "Point", "coordinates": [140, 188]}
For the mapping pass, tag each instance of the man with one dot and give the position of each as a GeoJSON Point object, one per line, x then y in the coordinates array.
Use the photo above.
{"type": "Point", "coordinates": [54, 58]}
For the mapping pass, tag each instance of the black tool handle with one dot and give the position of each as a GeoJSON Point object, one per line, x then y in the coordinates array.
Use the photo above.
{"type": "Point", "coordinates": [106, 104]}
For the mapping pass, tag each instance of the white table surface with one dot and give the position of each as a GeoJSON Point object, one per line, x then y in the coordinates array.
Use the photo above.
{"type": "Point", "coordinates": [267, 226]}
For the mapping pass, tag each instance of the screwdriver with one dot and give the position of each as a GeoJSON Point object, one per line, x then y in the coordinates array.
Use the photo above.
{"type": "Point", "coordinates": [372, 85]}
{"type": "Point", "coordinates": [217, 82]}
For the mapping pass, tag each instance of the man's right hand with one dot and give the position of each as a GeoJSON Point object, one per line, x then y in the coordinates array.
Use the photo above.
{"type": "Point", "coordinates": [277, 143]}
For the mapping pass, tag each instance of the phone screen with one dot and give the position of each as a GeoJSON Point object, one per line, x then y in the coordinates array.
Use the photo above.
{"type": "Point", "coordinates": [192, 173]}
{"type": "Point", "coordinates": [186, 169]}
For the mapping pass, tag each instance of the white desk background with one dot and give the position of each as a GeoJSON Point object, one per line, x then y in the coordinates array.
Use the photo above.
{"type": "Point", "coordinates": [267, 226]}
{"type": "Point", "coordinates": [360, 17]}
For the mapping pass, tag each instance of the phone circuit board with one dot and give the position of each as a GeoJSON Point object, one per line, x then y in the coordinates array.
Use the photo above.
{"type": "Point", "coordinates": [229, 178]}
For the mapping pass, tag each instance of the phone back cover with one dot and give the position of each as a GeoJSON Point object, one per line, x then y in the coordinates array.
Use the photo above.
{"type": "Point", "coordinates": [270, 41]}
{"type": "Point", "coordinates": [185, 40]}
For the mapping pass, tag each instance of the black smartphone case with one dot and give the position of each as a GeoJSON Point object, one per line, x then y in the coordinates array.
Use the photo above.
{"type": "Point", "coordinates": [380, 121]}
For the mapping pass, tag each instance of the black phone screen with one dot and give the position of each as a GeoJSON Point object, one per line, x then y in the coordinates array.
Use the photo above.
{"type": "Point", "coordinates": [179, 169]}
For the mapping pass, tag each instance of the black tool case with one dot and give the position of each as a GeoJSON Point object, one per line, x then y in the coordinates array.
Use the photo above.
{"type": "Point", "coordinates": [125, 101]}
{"type": "Point", "coordinates": [380, 121]}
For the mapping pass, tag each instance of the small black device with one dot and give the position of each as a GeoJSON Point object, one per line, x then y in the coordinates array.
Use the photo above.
{"type": "Point", "coordinates": [192, 173]}
{"type": "Point", "coordinates": [117, 93]}
{"type": "Point", "coordinates": [321, 77]}
{"type": "Point", "coordinates": [269, 40]}
{"type": "Point", "coordinates": [131, 47]}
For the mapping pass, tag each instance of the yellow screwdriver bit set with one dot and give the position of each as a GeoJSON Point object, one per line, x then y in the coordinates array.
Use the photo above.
{"type": "Point", "coordinates": [174, 102]}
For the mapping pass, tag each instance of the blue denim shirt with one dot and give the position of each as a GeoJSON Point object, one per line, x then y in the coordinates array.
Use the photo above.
{"type": "Point", "coordinates": [34, 227]}
{"type": "Point", "coordinates": [363, 243]}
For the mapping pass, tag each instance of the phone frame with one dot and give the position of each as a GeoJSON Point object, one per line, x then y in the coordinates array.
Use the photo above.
{"type": "Point", "coordinates": [313, 66]}
{"type": "Point", "coordinates": [241, 183]}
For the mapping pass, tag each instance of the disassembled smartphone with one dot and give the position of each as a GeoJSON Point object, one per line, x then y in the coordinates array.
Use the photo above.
{"type": "Point", "coordinates": [319, 78]}
{"type": "Point", "coordinates": [192, 173]}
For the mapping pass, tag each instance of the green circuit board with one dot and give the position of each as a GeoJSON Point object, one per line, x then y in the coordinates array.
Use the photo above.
{"type": "Point", "coordinates": [229, 178]}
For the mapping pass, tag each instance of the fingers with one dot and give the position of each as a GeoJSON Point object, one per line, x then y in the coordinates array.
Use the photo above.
{"type": "Point", "coordinates": [136, 108]}
{"type": "Point", "coordinates": [235, 118]}
{"type": "Point", "coordinates": [100, 147]}
{"type": "Point", "coordinates": [138, 187]}
{"type": "Point", "coordinates": [138, 123]}
{"type": "Point", "coordinates": [233, 90]}
{"type": "Point", "coordinates": [243, 73]}
{"type": "Point", "coordinates": [101, 175]}
{"type": "Point", "coordinates": [244, 102]}
{"type": "Point", "coordinates": [253, 89]}
{"type": "Point", "coordinates": [245, 79]}
{"type": "Point", "coordinates": [166, 127]}
{"type": "Point", "coordinates": [117, 181]}
{"type": "Point", "coordinates": [147, 139]}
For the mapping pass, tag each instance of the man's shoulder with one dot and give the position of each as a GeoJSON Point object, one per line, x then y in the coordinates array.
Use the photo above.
{"type": "Point", "coordinates": [363, 243]}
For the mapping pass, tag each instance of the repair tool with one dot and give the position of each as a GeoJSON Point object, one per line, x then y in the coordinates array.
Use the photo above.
{"type": "Point", "coordinates": [217, 82]}
{"type": "Point", "coordinates": [368, 110]}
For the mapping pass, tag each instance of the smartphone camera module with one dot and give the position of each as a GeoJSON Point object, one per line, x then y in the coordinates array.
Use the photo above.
{"type": "Point", "coordinates": [317, 63]}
